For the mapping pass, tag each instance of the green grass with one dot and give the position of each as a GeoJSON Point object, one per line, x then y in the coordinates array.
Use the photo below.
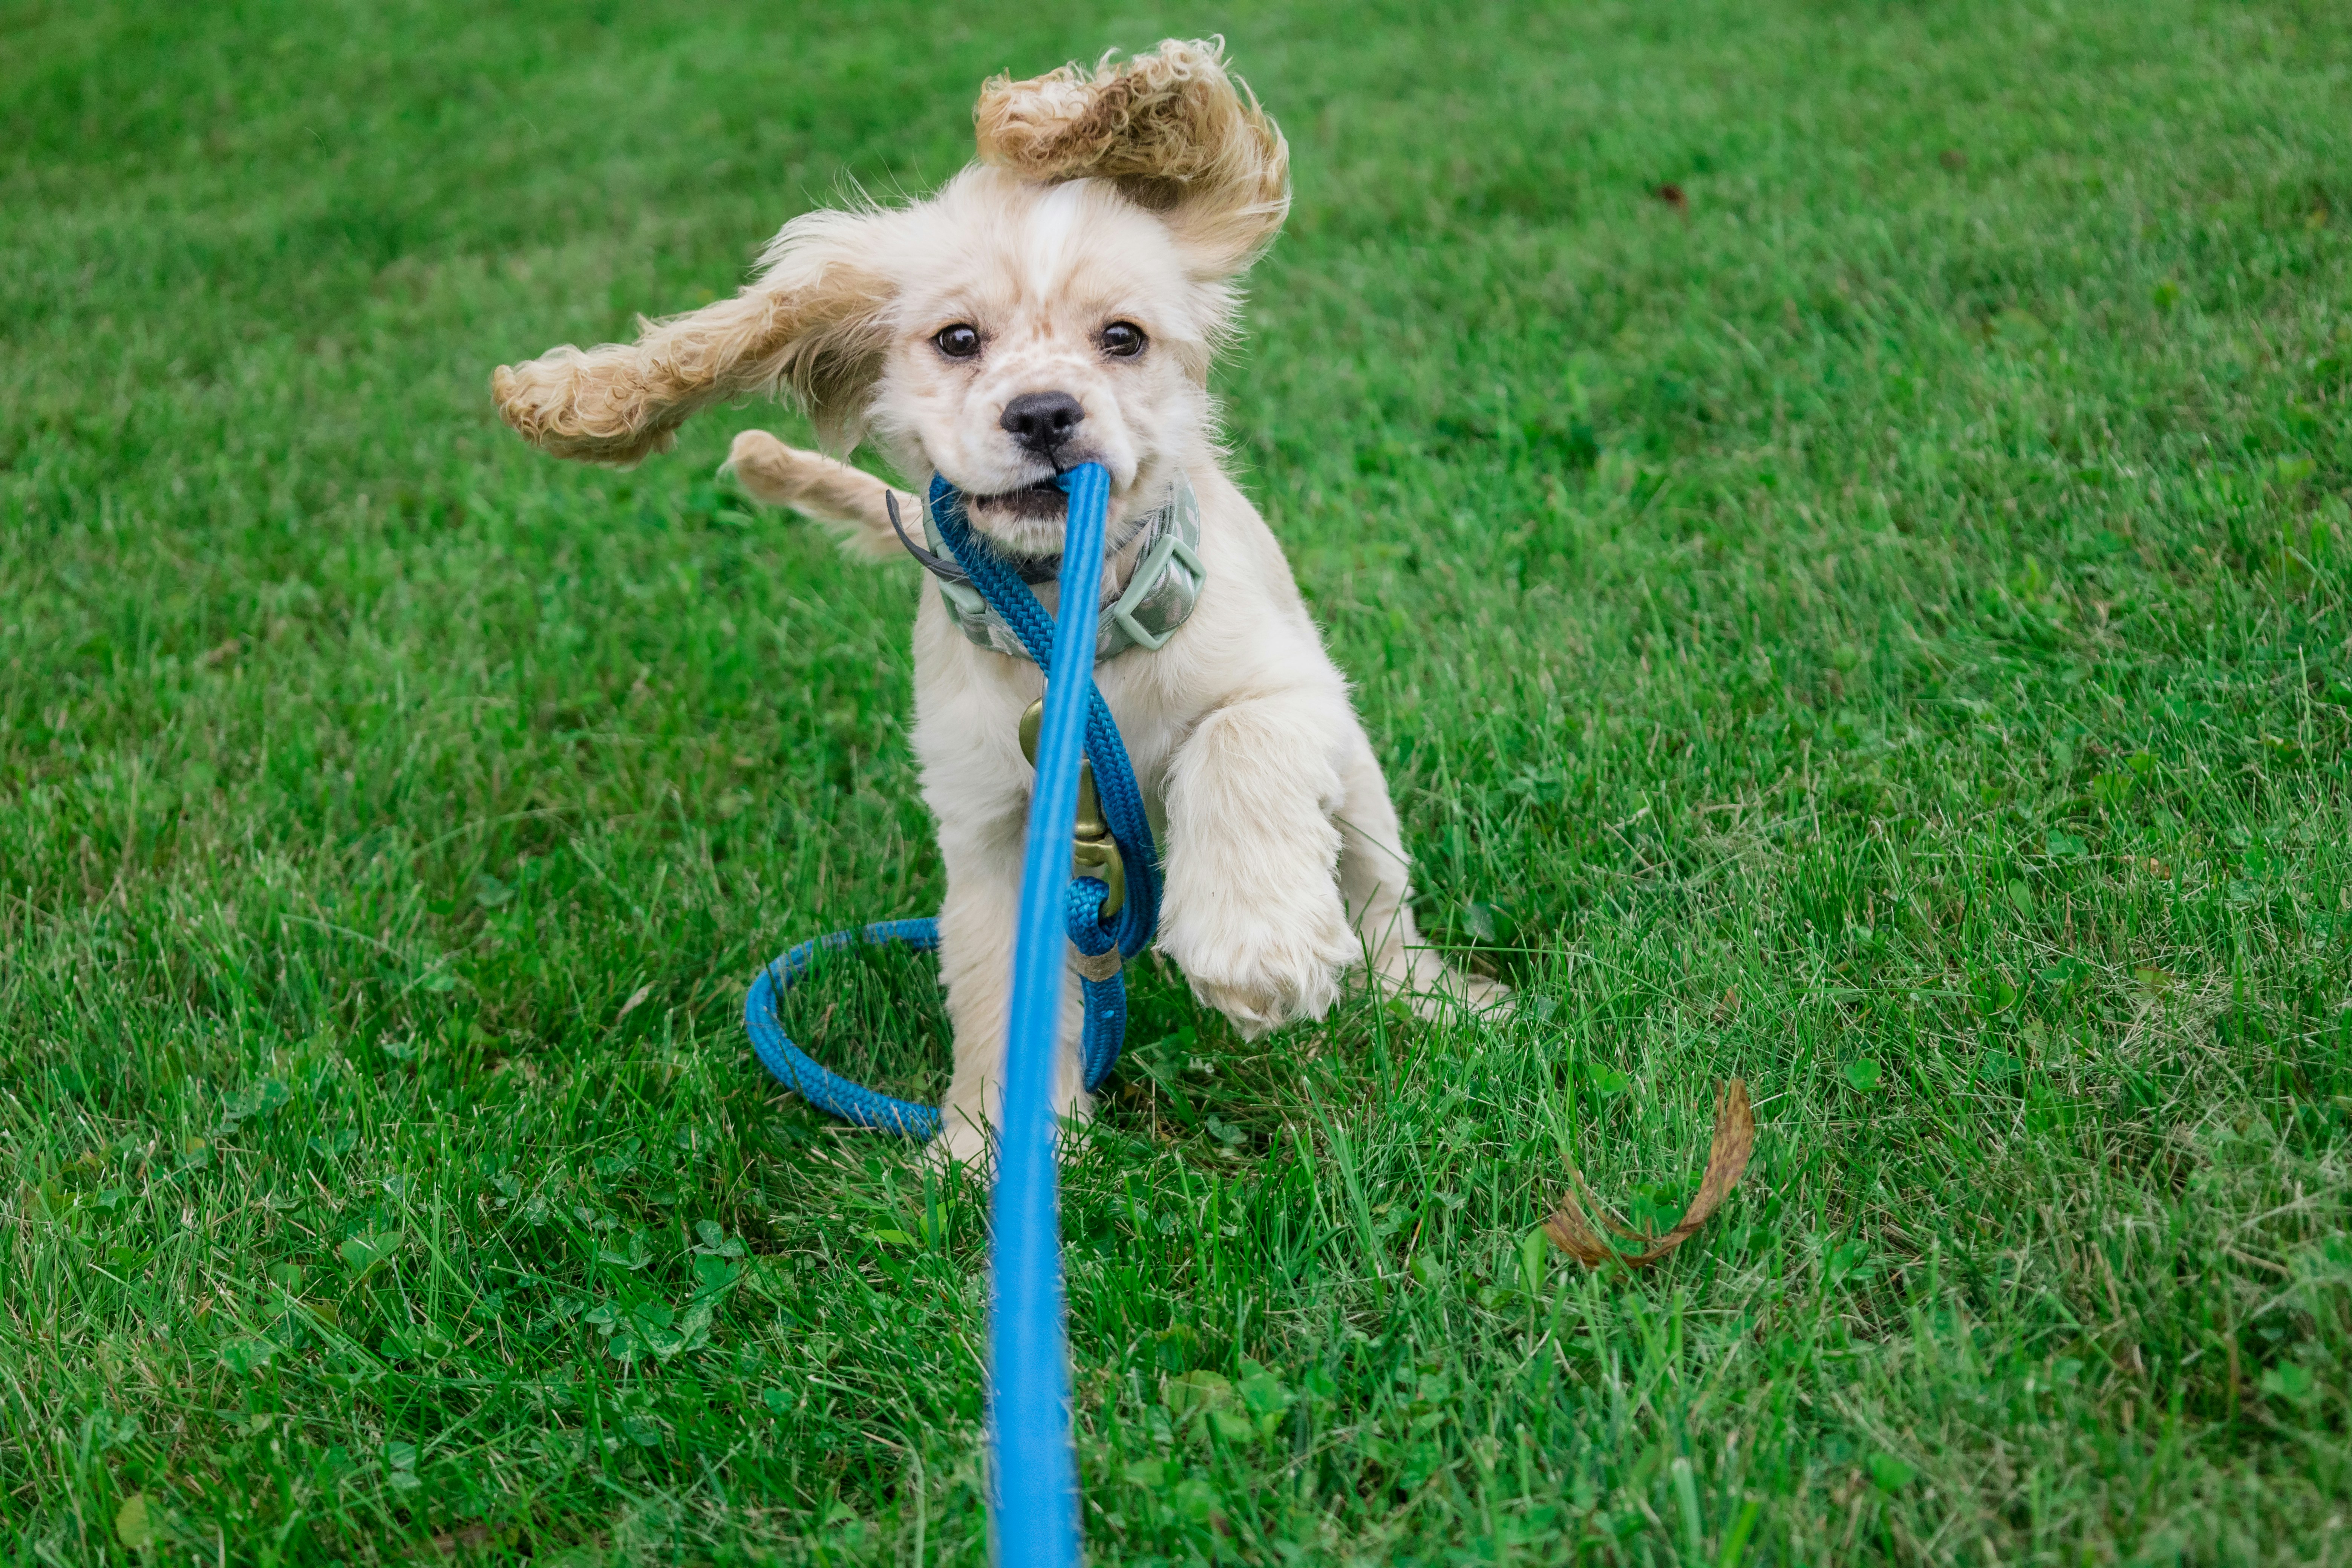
{"type": "Point", "coordinates": [1881, 633]}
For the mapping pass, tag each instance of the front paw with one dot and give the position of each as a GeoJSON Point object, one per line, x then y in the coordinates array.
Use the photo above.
{"type": "Point", "coordinates": [1264, 972]}
{"type": "Point", "coordinates": [962, 1139]}
{"type": "Point", "coordinates": [766, 468]}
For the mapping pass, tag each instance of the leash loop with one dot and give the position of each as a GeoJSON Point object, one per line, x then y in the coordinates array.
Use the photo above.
{"type": "Point", "coordinates": [796, 1070]}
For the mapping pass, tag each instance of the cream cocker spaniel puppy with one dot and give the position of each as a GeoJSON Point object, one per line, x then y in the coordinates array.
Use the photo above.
{"type": "Point", "coordinates": [1059, 302]}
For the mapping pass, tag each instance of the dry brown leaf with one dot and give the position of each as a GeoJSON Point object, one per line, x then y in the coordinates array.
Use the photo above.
{"type": "Point", "coordinates": [1572, 1229]}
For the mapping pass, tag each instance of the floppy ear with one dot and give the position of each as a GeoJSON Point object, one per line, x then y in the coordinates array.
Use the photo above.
{"type": "Point", "coordinates": [1171, 129]}
{"type": "Point", "coordinates": [809, 324]}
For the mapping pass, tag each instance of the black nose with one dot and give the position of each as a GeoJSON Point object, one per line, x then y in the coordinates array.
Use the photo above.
{"type": "Point", "coordinates": [1041, 421]}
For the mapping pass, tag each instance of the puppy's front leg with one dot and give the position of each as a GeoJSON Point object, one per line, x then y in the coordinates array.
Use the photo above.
{"type": "Point", "coordinates": [854, 505]}
{"type": "Point", "coordinates": [976, 940]}
{"type": "Point", "coordinates": [1252, 912]}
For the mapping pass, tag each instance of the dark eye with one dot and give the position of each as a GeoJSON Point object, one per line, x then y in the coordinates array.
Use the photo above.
{"type": "Point", "coordinates": [1122, 339]}
{"type": "Point", "coordinates": [958, 342]}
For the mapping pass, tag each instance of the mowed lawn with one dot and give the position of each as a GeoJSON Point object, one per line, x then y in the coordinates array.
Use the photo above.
{"type": "Point", "coordinates": [1837, 514]}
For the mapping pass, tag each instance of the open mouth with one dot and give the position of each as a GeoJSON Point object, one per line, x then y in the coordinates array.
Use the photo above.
{"type": "Point", "coordinates": [1041, 501]}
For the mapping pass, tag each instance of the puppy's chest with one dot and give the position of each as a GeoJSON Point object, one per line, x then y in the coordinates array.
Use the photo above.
{"type": "Point", "coordinates": [972, 737]}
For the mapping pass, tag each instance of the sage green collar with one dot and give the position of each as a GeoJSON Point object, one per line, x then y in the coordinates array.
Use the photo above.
{"type": "Point", "coordinates": [1166, 584]}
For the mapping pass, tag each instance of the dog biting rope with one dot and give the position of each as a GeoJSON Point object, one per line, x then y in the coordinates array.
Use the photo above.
{"type": "Point", "coordinates": [1127, 933]}
{"type": "Point", "coordinates": [1034, 1469]}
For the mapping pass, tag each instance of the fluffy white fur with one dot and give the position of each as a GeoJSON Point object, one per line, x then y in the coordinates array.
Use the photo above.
{"type": "Point", "coordinates": [1135, 193]}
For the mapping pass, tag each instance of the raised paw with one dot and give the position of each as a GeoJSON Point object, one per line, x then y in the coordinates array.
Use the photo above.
{"type": "Point", "coordinates": [1264, 973]}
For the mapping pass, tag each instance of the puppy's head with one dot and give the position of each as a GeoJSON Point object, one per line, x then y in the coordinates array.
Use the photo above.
{"type": "Point", "coordinates": [1056, 303]}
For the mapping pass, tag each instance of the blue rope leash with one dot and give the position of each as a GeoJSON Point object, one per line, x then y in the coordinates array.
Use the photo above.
{"type": "Point", "coordinates": [797, 1071]}
{"type": "Point", "coordinates": [1130, 931]}
{"type": "Point", "coordinates": [1034, 1466]}
{"type": "Point", "coordinates": [1034, 1469]}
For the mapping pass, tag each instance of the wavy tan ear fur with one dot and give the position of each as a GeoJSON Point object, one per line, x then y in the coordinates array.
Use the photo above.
{"type": "Point", "coordinates": [809, 324]}
{"type": "Point", "coordinates": [1171, 129]}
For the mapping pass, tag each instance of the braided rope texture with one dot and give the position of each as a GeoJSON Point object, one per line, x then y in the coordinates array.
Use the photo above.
{"type": "Point", "coordinates": [797, 1071]}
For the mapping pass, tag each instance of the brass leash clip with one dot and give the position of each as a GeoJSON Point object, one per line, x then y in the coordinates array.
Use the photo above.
{"type": "Point", "coordinates": [1094, 852]}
